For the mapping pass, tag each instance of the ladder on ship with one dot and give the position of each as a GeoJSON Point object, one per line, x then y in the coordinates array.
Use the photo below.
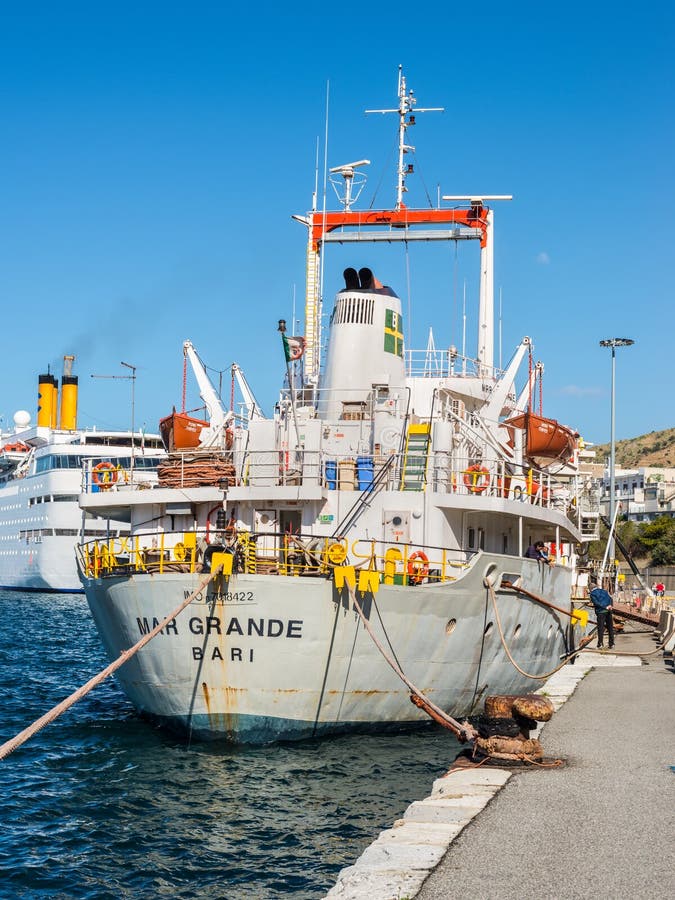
{"type": "Point", "coordinates": [416, 457]}
{"type": "Point", "coordinates": [589, 526]}
{"type": "Point", "coordinates": [312, 313]}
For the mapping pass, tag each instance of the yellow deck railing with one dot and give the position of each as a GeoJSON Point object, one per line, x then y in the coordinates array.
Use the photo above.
{"type": "Point", "coordinates": [287, 555]}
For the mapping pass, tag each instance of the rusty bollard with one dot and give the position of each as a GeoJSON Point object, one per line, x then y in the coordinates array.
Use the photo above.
{"type": "Point", "coordinates": [505, 727]}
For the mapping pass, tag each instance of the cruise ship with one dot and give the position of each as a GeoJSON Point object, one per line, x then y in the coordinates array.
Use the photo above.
{"type": "Point", "coordinates": [43, 468]}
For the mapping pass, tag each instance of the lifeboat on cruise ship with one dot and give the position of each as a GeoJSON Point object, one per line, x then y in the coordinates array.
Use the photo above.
{"type": "Point", "coordinates": [12, 454]}
{"type": "Point", "coordinates": [18, 447]}
{"type": "Point", "coordinates": [545, 438]}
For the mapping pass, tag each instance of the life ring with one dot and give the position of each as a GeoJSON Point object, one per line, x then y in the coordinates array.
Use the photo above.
{"type": "Point", "coordinates": [104, 474]}
{"type": "Point", "coordinates": [337, 554]}
{"type": "Point", "coordinates": [179, 552]}
{"type": "Point", "coordinates": [418, 567]}
{"type": "Point", "coordinates": [476, 479]}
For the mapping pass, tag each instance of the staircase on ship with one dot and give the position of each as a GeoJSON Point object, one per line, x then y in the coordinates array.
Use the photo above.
{"type": "Point", "coordinates": [416, 457]}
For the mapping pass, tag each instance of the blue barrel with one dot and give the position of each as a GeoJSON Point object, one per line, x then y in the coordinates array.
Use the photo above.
{"type": "Point", "coordinates": [330, 472]}
{"type": "Point", "coordinates": [364, 472]}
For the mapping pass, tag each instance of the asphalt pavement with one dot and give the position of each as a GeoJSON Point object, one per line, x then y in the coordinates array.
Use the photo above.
{"type": "Point", "coordinates": [602, 825]}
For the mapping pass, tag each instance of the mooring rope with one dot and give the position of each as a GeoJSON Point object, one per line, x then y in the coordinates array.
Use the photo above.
{"type": "Point", "coordinates": [580, 649]}
{"type": "Point", "coordinates": [543, 677]}
{"type": "Point", "coordinates": [614, 652]}
{"type": "Point", "coordinates": [464, 731]}
{"type": "Point", "coordinates": [21, 738]}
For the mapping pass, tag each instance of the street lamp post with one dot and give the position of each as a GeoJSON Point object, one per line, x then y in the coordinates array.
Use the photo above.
{"type": "Point", "coordinates": [613, 343]}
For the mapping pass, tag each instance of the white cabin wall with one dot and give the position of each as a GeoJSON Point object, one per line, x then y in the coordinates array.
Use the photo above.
{"type": "Point", "coordinates": [262, 454]}
{"type": "Point", "coordinates": [422, 396]}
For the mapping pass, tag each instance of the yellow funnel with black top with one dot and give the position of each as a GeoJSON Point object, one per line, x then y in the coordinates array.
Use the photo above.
{"type": "Point", "coordinates": [46, 391]}
{"type": "Point", "coordinates": [68, 409]}
{"type": "Point", "coordinates": [55, 403]}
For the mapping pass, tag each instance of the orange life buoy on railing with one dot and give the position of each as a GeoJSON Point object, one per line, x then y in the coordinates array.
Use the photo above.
{"type": "Point", "coordinates": [104, 474]}
{"type": "Point", "coordinates": [476, 479]}
{"type": "Point", "coordinates": [418, 567]}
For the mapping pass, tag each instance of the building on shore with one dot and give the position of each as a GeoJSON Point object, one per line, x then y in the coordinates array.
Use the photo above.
{"type": "Point", "coordinates": [645, 493]}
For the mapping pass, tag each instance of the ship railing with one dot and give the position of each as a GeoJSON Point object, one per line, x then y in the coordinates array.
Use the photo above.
{"type": "Point", "coordinates": [499, 479]}
{"type": "Point", "coordinates": [123, 555]}
{"type": "Point", "coordinates": [406, 563]}
{"type": "Point", "coordinates": [118, 473]}
{"type": "Point", "coordinates": [271, 553]}
{"type": "Point", "coordinates": [445, 473]}
{"type": "Point", "coordinates": [281, 467]}
{"type": "Point", "coordinates": [342, 405]}
{"type": "Point", "coordinates": [445, 363]}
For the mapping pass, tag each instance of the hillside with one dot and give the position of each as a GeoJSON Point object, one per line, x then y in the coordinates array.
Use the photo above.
{"type": "Point", "coordinates": [654, 449]}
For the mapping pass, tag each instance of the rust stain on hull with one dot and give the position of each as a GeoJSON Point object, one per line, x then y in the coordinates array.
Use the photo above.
{"type": "Point", "coordinates": [224, 719]}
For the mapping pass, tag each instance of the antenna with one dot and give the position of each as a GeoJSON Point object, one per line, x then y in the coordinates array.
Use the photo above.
{"type": "Point", "coordinates": [406, 107]}
{"type": "Point", "coordinates": [132, 379]}
{"type": "Point", "coordinates": [352, 184]}
{"type": "Point", "coordinates": [464, 330]}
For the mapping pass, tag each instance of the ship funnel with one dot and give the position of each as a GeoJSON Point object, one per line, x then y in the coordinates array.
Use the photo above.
{"type": "Point", "coordinates": [45, 400]}
{"type": "Point", "coordinates": [68, 409]}
{"type": "Point", "coordinates": [54, 418]}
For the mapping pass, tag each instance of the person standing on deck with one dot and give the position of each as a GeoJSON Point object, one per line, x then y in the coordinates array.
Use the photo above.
{"type": "Point", "coordinates": [602, 604]}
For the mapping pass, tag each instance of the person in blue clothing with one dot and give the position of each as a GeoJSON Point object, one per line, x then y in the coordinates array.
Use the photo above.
{"type": "Point", "coordinates": [537, 551]}
{"type": "Point", "coordinates": [602, 604]}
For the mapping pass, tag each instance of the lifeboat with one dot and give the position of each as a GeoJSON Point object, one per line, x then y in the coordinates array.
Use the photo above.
{"type": "Point", "coordinates": [545, 438]}
{"type": "Point", "coordinates": [18, 447]}
{"type": "Point", "coordinates": [180, 431]}
{"type": "Point", "coordinates": [12, 454]}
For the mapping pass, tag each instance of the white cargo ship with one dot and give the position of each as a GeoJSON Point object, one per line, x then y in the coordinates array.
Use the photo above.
{"type": "Point", "coordinates": [412, 481]}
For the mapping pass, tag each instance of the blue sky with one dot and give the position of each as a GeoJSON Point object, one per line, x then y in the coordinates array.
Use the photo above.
{"type": "Point", "coordinates": [152, 155]}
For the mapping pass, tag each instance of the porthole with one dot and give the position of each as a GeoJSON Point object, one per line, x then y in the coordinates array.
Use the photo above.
{"type": "Point", "coordinates": [488, 629]}
{"type": "Point", "coordinates": [489, 570]}
{"type": "Point", "coordinates": [397, 520]}
{"type": "Point", "coordinates": [450, 627]}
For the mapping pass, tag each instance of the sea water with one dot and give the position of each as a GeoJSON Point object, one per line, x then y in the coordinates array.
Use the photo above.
{"type": "Point", "coordinates": [101, 804]}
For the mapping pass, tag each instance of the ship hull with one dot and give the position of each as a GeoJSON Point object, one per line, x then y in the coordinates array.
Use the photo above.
{"type": "Point", "coordinates": [273, 658]}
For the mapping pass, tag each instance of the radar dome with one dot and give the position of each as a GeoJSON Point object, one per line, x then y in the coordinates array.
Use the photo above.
{"type": "Point", "coordinates": [22, 418]}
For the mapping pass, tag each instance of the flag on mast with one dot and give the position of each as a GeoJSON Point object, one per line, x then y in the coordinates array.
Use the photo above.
{"type": "Point", "coordinates": [294, 347]}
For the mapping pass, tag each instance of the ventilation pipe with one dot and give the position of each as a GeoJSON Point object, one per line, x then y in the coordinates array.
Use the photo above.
{"type": "Point", "coordinates": [68, 409]}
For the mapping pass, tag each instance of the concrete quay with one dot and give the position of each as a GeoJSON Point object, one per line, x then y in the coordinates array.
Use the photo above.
{"type": "Point", "coordinates": [599, 826]}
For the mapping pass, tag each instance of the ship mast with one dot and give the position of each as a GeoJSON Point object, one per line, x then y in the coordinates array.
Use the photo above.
{"type": "Point", "coordinates": [471, 221]}
{"type": "Point", "coordinates": [406, 107]}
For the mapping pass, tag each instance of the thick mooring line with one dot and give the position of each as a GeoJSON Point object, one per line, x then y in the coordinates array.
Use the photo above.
{"type": "Point", "coordinates": [21, 738]}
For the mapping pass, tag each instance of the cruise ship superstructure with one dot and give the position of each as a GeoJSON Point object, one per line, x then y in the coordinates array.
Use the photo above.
{"type": "Point", "coordinates": [44, 467]}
